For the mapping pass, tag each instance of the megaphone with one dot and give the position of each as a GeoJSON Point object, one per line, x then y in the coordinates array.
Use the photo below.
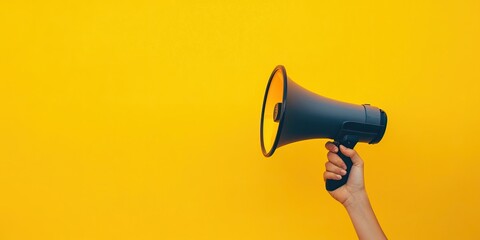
{"type": "Point", "coordinates": [291, 113]}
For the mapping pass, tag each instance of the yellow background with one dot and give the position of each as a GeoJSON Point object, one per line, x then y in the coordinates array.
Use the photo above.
{"type": "Point", "coordinates": [140, 119]}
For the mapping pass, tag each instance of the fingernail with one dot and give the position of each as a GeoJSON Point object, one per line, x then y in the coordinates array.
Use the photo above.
{"type": "Point", "coordinates": [343, 172]}
{"type": "Point", "coordinates": [345, 167]}
{"type": "Point", "coordinates": [335, 149]}
{"type": "Point", "coordinates": [339, 177]}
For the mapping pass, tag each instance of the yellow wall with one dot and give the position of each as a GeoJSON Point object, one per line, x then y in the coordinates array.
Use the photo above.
{"type": "Point", "coordinates": [140, 119]}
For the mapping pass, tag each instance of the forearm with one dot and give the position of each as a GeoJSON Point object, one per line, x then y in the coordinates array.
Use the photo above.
{"type": "Point", "coordinates": [363, 218]}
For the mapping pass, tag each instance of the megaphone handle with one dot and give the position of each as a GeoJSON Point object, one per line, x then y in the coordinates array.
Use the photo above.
{"type": "Point", "coordinates": [332, 185]}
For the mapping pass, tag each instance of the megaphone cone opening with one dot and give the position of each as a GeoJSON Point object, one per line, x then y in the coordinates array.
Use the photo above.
{"type": "Point", "coordinates": [273, 110]}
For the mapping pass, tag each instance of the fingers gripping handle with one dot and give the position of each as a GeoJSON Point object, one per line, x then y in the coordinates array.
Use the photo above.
{"type": "Point", "coordinates": [334, 184]}
{"type": "Point", "coordinates": [349, 142]}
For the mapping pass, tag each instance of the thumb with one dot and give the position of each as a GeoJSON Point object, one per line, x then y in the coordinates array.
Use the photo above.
{"type": "Point", "coordinates": [352, 154]}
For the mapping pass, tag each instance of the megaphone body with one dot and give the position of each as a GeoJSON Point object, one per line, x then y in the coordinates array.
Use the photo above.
{"type": "Point", "coordinates": [291, 113]}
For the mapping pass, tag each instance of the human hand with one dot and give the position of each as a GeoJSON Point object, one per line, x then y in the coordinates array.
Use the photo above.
{"type": "Point", "coordinates": [352, 194]}
{"type": "Point", "coordinates": [335, 170]}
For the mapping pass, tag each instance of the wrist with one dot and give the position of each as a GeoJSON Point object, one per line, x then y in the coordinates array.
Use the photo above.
{"type": "Point", "coordinates": [363, 218]}
{"type": "Point", "coordinates": [357, 200]}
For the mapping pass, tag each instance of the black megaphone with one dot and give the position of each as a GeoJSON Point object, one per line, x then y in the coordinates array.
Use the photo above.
{"type": "Point", "coordinates": [291, 113]}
